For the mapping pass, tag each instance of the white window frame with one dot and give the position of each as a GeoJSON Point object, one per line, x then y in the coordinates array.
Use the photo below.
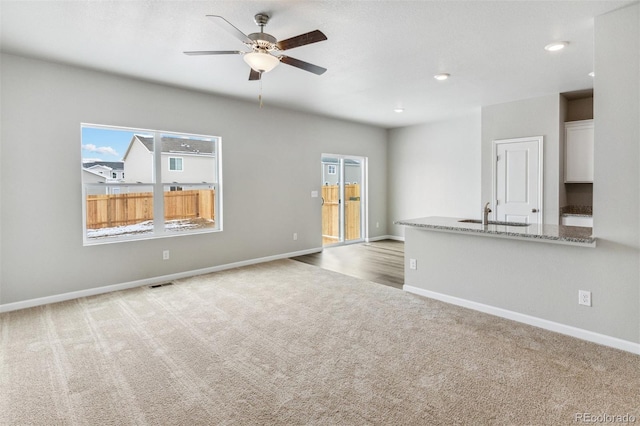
{"type": "Point", "coordinates": [159, 229]}
{"type": "Point", "coordinates": [181, 164]}
{"type": "Point", "coordinates": [331, 169]}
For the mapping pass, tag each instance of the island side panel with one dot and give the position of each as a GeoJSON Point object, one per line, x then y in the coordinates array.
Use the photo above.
{"type": "Point", "coordinates": [539, 280]}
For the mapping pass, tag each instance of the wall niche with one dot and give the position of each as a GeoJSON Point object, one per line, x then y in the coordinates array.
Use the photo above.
{"type": "Point", "coordinates": [578, 106]}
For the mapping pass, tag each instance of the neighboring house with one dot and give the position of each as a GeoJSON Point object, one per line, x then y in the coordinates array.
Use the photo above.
{"type": "Point", "coordinates": [183, 160]}
{"type": "Point", "coordinates": [91, 176]}
{"type": "Point", "coordinates": [110, 171]}
{"type": "Point", "coordinates": [331, 173]}
{"type": "Point", "coordinates": [104, 172]}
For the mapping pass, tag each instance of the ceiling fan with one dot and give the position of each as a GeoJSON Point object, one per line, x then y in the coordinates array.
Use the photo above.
{"type": "Point", "coordinates": [265, 48]}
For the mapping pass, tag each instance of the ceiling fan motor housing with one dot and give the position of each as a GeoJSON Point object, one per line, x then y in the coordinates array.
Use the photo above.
{"type": "Point", "coordinates": [264, 41]}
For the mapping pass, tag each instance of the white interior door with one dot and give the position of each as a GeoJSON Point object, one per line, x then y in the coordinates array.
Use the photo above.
{"type": "Point", "coordinates": [518, 180]}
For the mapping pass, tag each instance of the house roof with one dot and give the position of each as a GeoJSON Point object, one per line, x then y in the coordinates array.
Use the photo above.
{"type": "Point", "coordinates": [179, 145]}
{"type": "Point", "coordinates": [113, 165]}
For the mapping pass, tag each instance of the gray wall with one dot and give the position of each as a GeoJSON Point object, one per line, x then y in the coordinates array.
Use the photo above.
{"type": "Point", "coordinates": [434, 170]}
{"type": "Point", "coordinates": [43, 105]}
{"type": "Point", "coordinates": [529, 117]}
{"type": "Point", "coordinates": [541, 279]}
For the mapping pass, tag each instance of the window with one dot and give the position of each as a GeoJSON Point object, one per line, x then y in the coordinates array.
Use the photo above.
{"type": "Point", "coordinates": [153, 201]}
{"type": "Point", "coordinates": [331, 169]}
{"type": "Point", "coordinates": [175, 164]}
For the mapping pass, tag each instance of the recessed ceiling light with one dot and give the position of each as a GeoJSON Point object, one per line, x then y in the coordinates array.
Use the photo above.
{"type": "Point", "coordinates": [441, 77]}
{"type": "Point", "coordinates": [554, 47]}
{"type": "Point", "coordinates": [398, 110]}
{"type": "Point", "coordinates": [592, 74]}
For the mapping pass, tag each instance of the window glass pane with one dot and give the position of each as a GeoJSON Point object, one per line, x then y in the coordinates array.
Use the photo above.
{"type": "Point", "coordinates": [188, 159]}
{"type": "Point", "coordinates": [118, 211]}
{"type": "Point", "coordinates": [189, 207]}
{"type": "Point", "coordinates": [175, 164]}
{"type": "Point", "coordinates": [107, 153]}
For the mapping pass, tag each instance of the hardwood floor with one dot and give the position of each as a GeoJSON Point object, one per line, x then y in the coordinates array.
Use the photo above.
{"type": "Point", "coordinates": [379, 261]}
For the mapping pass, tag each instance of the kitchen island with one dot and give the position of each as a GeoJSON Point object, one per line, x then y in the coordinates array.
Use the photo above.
{"type": "Point", "coordinates": [531, 274]}
{"type": "Point", "coordinates": [558, 234]}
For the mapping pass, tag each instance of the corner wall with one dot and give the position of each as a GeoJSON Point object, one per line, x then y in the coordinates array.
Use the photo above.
{"type": "Point", "coordinates": [434, 170]}
{"type": "Point", "coordinates": [271, 163]}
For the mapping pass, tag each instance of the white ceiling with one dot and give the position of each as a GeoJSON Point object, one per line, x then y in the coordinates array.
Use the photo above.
{"type": "Point", "coordinates": [380, 54]}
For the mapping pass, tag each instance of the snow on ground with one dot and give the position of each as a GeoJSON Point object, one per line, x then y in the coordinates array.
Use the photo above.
{"type": "Point", "coordinates": [146, 227]}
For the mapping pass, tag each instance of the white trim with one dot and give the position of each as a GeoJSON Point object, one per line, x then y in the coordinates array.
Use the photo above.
{"type": "Point", "coordinates": [385, 237]}
{"type": "Point", "coordinates": [364, 200]}
{"type": "Point", "coordinates": [7, 307]}
{"type": "Point", "coordinates": [364, 194]}
{"type": "Point", "coordinates": [568, 330]}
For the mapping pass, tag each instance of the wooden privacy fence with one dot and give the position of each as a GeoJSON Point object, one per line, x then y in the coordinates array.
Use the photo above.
{"type": "Point", "coordinates": [107, 211]}
{"type": "Point", "coordinates": [331, 212]}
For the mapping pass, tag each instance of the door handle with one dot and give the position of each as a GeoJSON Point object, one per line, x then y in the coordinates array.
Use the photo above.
{"type": "Point", "coordinates": [322, 201]}
{"type": "Point", "coordinates": [534, 210]}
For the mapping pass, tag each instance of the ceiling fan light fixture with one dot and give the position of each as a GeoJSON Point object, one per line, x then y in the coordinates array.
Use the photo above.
{"type": "Point", "coordinates": [260, 61]}
{"type": "Point", "coordinates": [442, 76]}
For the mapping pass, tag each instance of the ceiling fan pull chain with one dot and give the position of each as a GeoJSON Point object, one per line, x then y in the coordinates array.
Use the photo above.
{"type": "Point", "coordinates": [260, 95]}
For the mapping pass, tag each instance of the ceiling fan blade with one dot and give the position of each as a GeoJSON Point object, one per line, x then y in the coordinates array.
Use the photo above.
{"type": "Point", "coordinates": [229, 27]}
{"type": "Point", "coordinates": [302, 65]}
{"type": "Point", "coordinates": [213, 52]}
{"type": "Point", "coordinates": [301, 40]}
{"type": "Point", "coordinates": [254, 75]}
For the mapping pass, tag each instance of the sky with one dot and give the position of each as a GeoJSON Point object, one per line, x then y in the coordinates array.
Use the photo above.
{"type": "Point", "coordinates": [110, 144]}
{"type": "Point", "coordinates": [102, 144]}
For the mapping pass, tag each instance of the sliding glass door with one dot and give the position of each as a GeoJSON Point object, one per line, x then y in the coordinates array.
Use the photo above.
{"type": "Point", "coordinates": [343, 207]}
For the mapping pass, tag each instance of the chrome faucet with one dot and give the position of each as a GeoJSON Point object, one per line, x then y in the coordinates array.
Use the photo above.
{"type": "Point", "coordinates": [485, 214]}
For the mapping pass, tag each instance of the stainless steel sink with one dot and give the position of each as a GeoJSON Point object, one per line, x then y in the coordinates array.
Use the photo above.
{"type": "Point", "coordinates": [495, 222]}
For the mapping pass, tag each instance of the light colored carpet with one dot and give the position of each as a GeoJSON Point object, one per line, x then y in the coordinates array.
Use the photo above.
{"type": "Point", "coordinates": [288, 343]}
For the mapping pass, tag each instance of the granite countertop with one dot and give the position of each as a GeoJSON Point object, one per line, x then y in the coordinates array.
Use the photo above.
{"type": "Point", "coordinates": [559, 234]}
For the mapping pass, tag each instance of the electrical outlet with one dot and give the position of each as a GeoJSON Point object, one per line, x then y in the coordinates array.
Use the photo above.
{"type": "Point", "coordinates": [584, 297]}
{"type": "Point", "coordinates": [413, 264]}
{"type": "Point", "coordinates": [295, 236]}
{"type": "Point", "coordinates": [165, 255]}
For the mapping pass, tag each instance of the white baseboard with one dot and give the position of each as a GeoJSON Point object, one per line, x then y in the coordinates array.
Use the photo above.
{"type": "Point", "coordinates": [385, 237]}
{"type": "Point", "coordinates": [579, 333]}
{"type": "Point", "coordinates": [7, 307]}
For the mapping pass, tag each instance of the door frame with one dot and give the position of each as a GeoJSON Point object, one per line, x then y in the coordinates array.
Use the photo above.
{"type": "Point", "coordinates": [364, 192]}
{"type": "Point", "coordinates": [494, 171]}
